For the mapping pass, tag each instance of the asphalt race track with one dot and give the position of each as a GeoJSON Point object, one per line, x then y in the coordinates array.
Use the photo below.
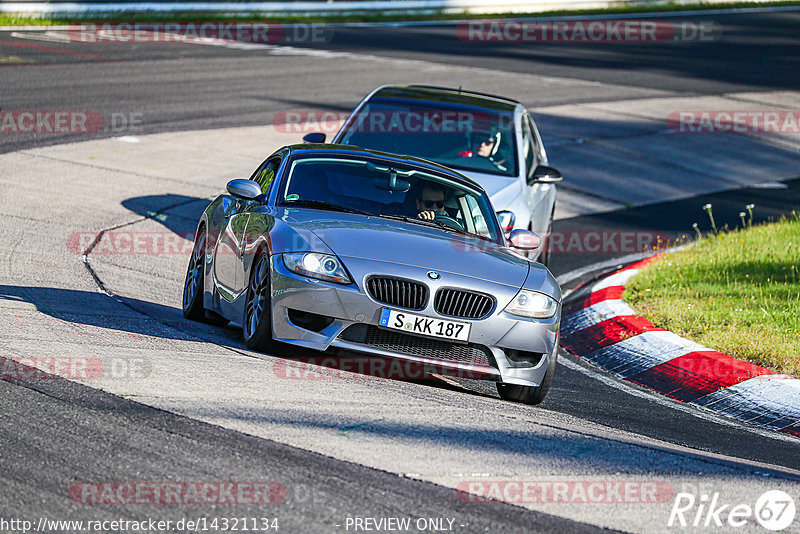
{"type": "Point", "coordinates": [186, 403]}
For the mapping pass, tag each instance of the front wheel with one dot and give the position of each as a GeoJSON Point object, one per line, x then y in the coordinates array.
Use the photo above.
{"type": "Point", "coordinates": [257, 323]}
{"type": "Point", "coordinates": [194, 284]}
{"type": "Point", "coordinates": [529, 394]}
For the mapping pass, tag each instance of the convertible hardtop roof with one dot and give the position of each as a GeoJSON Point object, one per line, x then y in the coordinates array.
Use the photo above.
{"type": "Point", "coordinates": [349, 150]}
{"type": "Point", "coordinates": [448, 95]}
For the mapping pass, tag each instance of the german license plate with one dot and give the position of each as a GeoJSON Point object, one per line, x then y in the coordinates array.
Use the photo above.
{"type": "Point", "coordinates": [424, 326]}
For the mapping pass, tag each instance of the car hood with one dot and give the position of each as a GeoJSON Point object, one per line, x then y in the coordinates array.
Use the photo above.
{"type": "Point", "coordinates": [386, 240]}
{"type": "Point", "coordinates": [502, 190]}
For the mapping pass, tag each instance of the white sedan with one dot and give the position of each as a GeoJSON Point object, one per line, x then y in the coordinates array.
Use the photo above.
{"type": "Point", "coordinates": [490, 139]}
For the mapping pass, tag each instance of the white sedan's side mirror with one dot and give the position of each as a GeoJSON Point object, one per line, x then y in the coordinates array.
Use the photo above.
{"type": "Point", "coordinates": [544, 175]}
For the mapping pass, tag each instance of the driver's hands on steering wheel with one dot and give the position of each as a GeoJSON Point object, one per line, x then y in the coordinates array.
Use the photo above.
{"type": "Point", "coordinates": [500, 163]}
{"type": "Point", "coordinates": [428, 215]}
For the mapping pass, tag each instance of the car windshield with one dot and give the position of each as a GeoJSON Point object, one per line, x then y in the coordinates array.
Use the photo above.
{"type": "Point", "coordinates": [455, 135]}
{"type": "Point", "coordinates": [387, 189]}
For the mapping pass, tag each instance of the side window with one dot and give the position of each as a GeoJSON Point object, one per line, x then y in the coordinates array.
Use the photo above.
{"type": "Point", "coordinates": [528, 149]}
{"type": "Point", "coordinates": [477, 223]}
{"type": "Point", "coordinates": [266, 173]}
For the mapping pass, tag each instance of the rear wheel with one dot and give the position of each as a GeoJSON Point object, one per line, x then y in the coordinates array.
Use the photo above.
{"type": "Point", "coordinates": [195, 277]}
{"type": "Point", "coordinates": [257, 323]}
{"type": "Point", "coordinates": [529, 394]}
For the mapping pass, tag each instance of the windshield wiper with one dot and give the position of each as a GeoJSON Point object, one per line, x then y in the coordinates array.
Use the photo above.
{"type": "Point", "coordinates": [414, 220]}
{"type": "Point", "coordinates": [434, 223]}
{"type": "Point", "coordinates": [459, 230]}
{"type": "Point", "coordinates": [424, 222]}
{"type": "Point", "coordinates": [325, 205]}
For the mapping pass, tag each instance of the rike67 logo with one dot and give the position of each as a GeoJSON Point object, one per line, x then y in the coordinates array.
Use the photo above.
{"type": "Point", "coordinates": [774, 510]}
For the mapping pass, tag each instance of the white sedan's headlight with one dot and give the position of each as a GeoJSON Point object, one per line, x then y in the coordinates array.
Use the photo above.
{"type": "Point", "coordinates": [532, 304]}
{"type": "Point", "coordinates": [315, 265]}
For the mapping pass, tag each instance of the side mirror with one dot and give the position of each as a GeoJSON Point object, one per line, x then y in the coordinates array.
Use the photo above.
{"type": "Point", "coordinates": [545, 175]}
{"type": "Point", "coordinates": [246, 189]}
{"type": "Point", "coordinates": [315, 137]}
{"type": "Point", "coordinates": [507, 220]}
{"type": "Point", "coordinates": [524, 240]}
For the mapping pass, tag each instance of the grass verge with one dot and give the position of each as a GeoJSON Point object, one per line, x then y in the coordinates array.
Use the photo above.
{"type": "Point", "coordinates": [738, 293]}
{"type": "Point", "coordinates": [11, 19]}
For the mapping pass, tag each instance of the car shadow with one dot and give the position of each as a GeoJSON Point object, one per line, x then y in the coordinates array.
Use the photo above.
{"type": "Point", "coordinates": [145, 318]}
{"type": "Point", "coordinates": [539, 444]}
{"type": "Point", "coordinates": [124, 314]}
{"type": "Point", "coordinates": [177, 213]}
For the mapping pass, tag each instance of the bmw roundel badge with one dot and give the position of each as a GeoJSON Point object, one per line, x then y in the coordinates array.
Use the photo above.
{"type": "Point", "coordinates": [433, 275]}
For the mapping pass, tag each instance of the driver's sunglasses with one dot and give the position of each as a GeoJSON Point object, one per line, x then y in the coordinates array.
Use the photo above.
{"type": "Point", "coordinates": [433, 203]}
{"type": "Point", "coordinates": [489, 141]}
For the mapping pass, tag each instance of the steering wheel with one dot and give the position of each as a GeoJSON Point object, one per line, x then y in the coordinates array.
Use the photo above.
{"type": "Point", "coordinates": [500, 162]}
{"type": "Point", "coordinates": [449, 221]}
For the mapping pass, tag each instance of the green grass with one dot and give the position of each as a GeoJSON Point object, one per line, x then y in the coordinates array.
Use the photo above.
{"type": "Point", "coordinates": [8, 19]}
{"type": "Point", "coordinates": [738, 293]}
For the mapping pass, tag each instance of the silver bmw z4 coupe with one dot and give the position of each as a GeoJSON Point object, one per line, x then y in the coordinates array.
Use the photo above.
{"type": "Point", "coordinates": [333, 246]}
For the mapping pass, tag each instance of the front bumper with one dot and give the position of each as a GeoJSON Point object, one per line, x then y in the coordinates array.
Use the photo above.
{"type": "Point", "coordinates": [502, 347]}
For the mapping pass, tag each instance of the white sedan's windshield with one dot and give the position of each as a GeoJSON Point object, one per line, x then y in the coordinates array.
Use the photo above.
{"type": "Point", "coordinates": [460, 137]}
{"type": "Point", "coordinates": [386, 189]}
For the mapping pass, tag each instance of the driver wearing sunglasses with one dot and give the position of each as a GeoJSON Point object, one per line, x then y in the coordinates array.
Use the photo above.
{"type": "Point", "coordinates": [430, 202]}
{"type": "Point", "coordinates": [486, 147]}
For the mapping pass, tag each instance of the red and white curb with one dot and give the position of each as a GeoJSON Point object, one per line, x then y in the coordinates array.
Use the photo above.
{"type": "Point", "coordinates": [598, 326]}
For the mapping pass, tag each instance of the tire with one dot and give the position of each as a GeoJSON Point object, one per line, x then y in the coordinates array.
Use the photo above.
{"type": "Point", "coordinates": [529, 394]}
{"type": "Point", "coordinates": [195, 280]}
{"type": "Point", "coordinates": [544, 257]}
{"type": "Point", "coordinates": [257, 320]}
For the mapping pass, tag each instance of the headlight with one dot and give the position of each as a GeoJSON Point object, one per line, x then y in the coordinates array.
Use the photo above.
{"type": "Point", "coordinates": [315, 265]}
{"type": "Point", "coordinates": [532, 304]}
